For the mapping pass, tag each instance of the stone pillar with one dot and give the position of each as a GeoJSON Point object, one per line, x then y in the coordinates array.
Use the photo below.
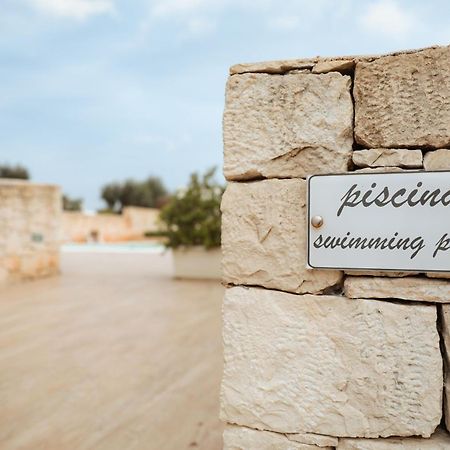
{"type": "Point", "coordinates": [30, 230]}
{"type": "Point", "coordinates": [326, 359]}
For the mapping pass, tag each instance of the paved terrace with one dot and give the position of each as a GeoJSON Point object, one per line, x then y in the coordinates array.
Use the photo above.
{"type": "Point", "coordinates": [111, 355]}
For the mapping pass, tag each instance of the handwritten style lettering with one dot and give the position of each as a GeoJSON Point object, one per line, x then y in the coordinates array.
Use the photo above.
{"type": "Point", "coordinates": [442, 245]}
{"type": "Point", "coordinates": [378, 243]}
{"type": "Point", "coordinates": [401, 197]}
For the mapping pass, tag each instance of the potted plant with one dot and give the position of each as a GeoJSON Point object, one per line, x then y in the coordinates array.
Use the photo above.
{"type": "Point", "coordinates": [192, 223]}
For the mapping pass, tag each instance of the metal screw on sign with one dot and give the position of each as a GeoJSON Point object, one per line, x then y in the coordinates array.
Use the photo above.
{"type": "Point", "coordinates": [317, 221]}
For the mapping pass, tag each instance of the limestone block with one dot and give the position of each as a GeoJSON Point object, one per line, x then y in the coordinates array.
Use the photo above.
{"type": "Point", "coordinates": [334, 65]}
{"type": "Point", "coordinates": [39, 264]}
{"type": "Point", "coordinates": [439, 441]}
{"type": "Point", "coordinates": [287, 65]}
{"type": "Point", "coordinates": [437, 160]}
{"type": "Point", "coordinates": [445, 331]}
{"type": "Point", "coordinates": [319, 440]}
{"type": "Point", "coordinates": [388, 157]}
{"type": "Point", "coordinates": [438, 274]}
{"type": "Point", "coordinates": [287, 126]}
{"type": "Point", "coordinates": [264, 237]}
{"type": "Point", "coordinates": [330, 365]}
{"type": "Point", "coordinates": [379, 170]}
{"type": "Point", "coordinates": [379, 273]}
{"type": "Point", "coordinates": [30, 230]}
{"type": "Point", "coordinates": [242, 438]}
{"type": "Point", "coordinates": [404, 100]}
{"type": "Point", "coordinates": [273, 67]}
{"type": "Point", "coordinates": [409, 288]}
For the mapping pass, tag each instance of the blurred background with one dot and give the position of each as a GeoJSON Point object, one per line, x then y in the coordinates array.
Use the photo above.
{"type": "Point", "coordinates": [102, 90]}
{"type": "Point", "coordinates": [110, 168]}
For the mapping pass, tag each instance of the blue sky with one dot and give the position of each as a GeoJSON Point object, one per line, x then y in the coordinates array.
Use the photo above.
{"type": "Point", "coordinates": [98, 90]}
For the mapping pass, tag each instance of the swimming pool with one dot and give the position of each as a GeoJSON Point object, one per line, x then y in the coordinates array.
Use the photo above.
{"type": "Point", "coordinates": [116, 247]}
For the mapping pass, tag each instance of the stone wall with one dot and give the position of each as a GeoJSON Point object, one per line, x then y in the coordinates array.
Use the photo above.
{"type": "Point", "coordinates": [324, 359]}
{"type": "Point", "coordinates": [30, 230]}
{"type": "Point", "coordinates": [133, 223]}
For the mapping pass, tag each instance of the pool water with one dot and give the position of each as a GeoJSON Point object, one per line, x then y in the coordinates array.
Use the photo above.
{"type": "Point", "coordinates": [116, 247]}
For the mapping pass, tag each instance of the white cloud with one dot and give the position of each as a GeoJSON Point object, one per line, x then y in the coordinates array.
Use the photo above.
{"type": "Point", "coordinates": [202, 17]}
{"type": "Point", "coordinates": [284, 23]}
{"type": "Point", "coordinates": [197, 17]}
{"type": "Point", "coordinates": [198, 26]}
{"type": "Point", "coordinates": [74, 9]}
{"type": "Point", "coordinates": [175, 7]}
{"type": "Point", "coordinates": [386, 17]}
{"type": "Point", "coordinates": [166, 8]}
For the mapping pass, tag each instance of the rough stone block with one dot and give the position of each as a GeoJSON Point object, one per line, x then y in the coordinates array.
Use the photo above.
{"type": "Point", "coordinates": [388, 157]}
{"type": "Point", "coordinates": [336, 65]}
{"type": "Point", "coordinates": [319, 440]}
{"type": "Point", "coordinates": [445, 331]}
{"type": "Point", "coordinates": [438, 275]}
{"type": "Point", "coordinates": [379, 170]}
{"type": "Point", "coordinates": [242, 438]}
{"type": "Point", "coordinates": [264, 237]}
{"type": "Point", "coordinates": [409, 288]}
{"type": "Point", "coordinates": [30, 230]}
{"type": "Point", "coordinates": [287, 126]}
{"type": "Point", "coordinates": [404, 100]}
{"type": "Point", "coordinates": [437, 160]}
{"type": "Point", "coordinates": [273, 67]}
{"type": "Point", "coordinates": [439, 441]}
{"type": "Point", "coordinates": [330, 365]}
{"type": "Point", "coordinates": [318, 63]}
{"type": "Point", "coordinates": [379, 273]}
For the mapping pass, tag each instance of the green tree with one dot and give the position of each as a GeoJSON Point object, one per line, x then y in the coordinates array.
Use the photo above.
{"type": "Point", "coordinates": [17, 171]}
{"type": "Point", "coordinates": [192, 216]}
{"type": "Point", "coordinates": [72, 204]}
{"type": "Point", "coordinates": [111, 194]}
{"type": "Point", "coordinates": [148, 193]}
{"type": "Point", "coordinates": [156, 192]}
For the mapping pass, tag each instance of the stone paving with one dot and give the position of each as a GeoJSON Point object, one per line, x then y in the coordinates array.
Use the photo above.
{"type": "Point", "coordinates": [113, 354]}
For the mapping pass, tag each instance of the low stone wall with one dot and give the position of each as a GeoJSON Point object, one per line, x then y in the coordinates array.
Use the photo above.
{"type": "Point", "coordinates": [133, 223]}
{"type": "Point", "coordinates": [30, 230]}
{"type": "Point", "coordinates": [327, 359]}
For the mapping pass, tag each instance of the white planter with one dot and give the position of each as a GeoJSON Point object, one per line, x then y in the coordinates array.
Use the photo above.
{"type": "Point", "coordinates": [197, 263]}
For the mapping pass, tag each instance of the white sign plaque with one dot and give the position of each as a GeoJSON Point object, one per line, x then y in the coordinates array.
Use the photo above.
{"type": "Point", "coordinates": [380, 221]}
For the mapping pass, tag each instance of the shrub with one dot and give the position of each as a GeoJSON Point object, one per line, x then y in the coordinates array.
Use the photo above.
{"type": "Point", "coordinates": [149, 193]}
{"type": "Point", "coordinates": [72, 204]}
{"type": "Point", "coordinates": [18, 172]}
{"type": "Point", "coordinates": [192, 216]}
